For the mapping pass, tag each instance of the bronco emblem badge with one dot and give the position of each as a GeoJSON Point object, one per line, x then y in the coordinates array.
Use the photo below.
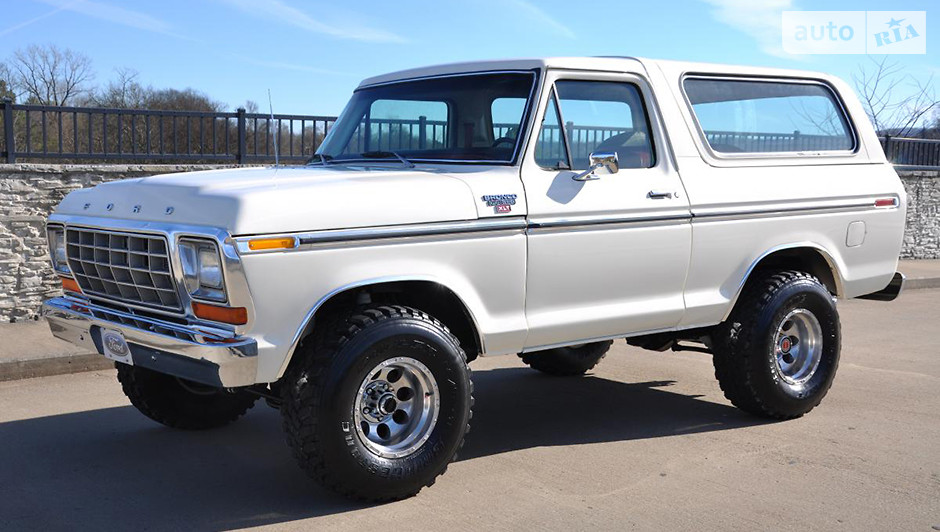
{"type": "Point", "coordinates": [499, 199]}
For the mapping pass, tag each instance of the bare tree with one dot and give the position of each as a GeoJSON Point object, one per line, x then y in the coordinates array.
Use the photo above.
{"type": "Point", "coordinates": [6, 92]}
{"type": "Point", "coordinates": [123, 92]}
{"type": "Point", "coordinates": [878, 88]}
{"type": "Point", "coordinates": [50, 75]}
{"type": "Point", "coordinates": [932, 131]}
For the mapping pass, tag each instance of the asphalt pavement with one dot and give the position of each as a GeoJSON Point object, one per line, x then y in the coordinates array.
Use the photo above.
{"type": "Point", "coordinates": [645, 442]}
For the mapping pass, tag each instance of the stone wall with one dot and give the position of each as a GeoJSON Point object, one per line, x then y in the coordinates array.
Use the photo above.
{"type": "Point", "coordinates": [29, 192]}
{"type": "Point", "coordinates": [922, 233]}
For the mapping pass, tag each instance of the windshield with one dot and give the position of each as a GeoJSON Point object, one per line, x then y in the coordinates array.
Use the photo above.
{"type": "Point", "coordinates": [465, 118]}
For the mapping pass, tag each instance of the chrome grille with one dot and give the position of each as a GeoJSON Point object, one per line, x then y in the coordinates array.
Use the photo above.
{"type": "Point", "coordinates": [128, 267]}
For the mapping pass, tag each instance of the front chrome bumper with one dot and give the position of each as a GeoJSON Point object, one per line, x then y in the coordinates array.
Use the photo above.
{"type": "Point", "coordinates": [162, 346]}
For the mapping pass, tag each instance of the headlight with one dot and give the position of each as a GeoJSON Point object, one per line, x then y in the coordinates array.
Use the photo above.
{"type": "Point", "coordinates": [60, 261]}
{"type": "Point", "coordinates": [202, 269]}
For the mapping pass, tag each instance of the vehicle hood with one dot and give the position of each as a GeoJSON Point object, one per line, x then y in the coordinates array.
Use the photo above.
{"type": "Point", "coordinates": [249, 201]}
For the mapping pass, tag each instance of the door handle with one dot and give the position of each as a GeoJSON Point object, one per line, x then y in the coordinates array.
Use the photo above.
{"type": "Point", "coordinates": [653, 194]}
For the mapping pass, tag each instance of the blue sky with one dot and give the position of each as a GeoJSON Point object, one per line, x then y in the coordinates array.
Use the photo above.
{"type": "Point", "coordinates": [312, 54]}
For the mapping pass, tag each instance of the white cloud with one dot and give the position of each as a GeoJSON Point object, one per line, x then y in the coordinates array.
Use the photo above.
{"type": "Point", "coordinates": [33, 20]}
{"type": "Point", "coordinates": [758, 19]}
{"type": "Point", "coordinates": [281, 12]}
{"type": "Point", "coordinates": [280, 65]}
{"type": "Point", "coordinates": [538, 17]}
{"type": "Point", "coordinates": [110, 13]}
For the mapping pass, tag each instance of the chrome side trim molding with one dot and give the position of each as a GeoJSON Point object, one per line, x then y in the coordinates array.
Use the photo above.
{"type": "Point", "coordinates": [671, 216]}
{"type": "Point", "coordinates": [431, 229]}
{"type": "Point", "coordinates": [306, 240]}
{"type": "Point", "coordinates": [828, 207]}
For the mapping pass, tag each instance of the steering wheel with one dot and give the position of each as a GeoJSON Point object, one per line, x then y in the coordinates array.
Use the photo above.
{"type": "Point", "coordinates": [503, 140]}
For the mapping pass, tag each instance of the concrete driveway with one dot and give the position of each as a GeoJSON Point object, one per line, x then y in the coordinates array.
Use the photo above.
{"type": "Point", "coordinates": [645, 442]}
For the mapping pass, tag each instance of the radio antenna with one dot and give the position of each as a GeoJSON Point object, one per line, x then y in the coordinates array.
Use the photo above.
{"type": "Point", "coordinates": [276, 133]}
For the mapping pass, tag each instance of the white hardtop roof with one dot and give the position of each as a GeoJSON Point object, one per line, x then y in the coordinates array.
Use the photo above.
{"type": "Point", "coordinates": [611, 64]}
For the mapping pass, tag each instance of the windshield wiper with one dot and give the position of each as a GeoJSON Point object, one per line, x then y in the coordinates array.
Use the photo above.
{"type": "Point", "coordinates": [387, 155]}
{"type": "Point", "coordinates": [321, 158]}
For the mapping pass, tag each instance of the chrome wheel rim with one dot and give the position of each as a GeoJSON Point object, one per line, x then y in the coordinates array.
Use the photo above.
{"type": "Point", "coordinates": [397, 407]}
{"type": "Point", "coordinates": [798, 346]}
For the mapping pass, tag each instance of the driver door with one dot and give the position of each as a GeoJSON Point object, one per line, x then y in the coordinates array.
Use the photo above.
{"type": "Point", "coordinates": [608, 256]}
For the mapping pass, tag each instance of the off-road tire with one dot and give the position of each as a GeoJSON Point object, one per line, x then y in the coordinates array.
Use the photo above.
{"type": "Point", "coordinates": [181, 404]}
{"type": "Point", "coordinates": [744, 346]}
{"type": "Point", "coordinates": [319, 397]}
{"type": "Point", "coordinates": [567, 361]}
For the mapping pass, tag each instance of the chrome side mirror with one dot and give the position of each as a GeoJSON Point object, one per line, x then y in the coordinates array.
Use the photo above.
{"type": "Point", "coordinates": [602, 163]}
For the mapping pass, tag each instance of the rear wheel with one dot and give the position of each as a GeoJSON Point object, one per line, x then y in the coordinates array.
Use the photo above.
{"type": "Point", "coordinates": [567, 361]}
{"type": "Point", "coordinates": [179, 403]}
{"type": "Point", "coordinates": [378, 403]}
{"type": "Point", "coordinates": [778, 353]}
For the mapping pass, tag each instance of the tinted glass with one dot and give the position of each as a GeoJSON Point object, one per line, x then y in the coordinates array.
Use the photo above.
{"type": "Point", "coordinates": [507, 114]}
{"type": "Point", "coordinates": [762, 116]}
{"type": "Point", "coordinates": [460, 118]}
{"type": "Point", "coordinates": [603, 116]}
{"type": "Point", "coordinates": [550, 148]}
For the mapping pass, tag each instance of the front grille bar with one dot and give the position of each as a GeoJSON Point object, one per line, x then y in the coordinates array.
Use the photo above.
{"type": "Point", "coordinates": [128, 267]}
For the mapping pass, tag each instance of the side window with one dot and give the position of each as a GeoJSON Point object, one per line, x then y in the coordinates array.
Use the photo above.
{"type": "Point", "coordinates": [605, 116]}
{"type": "Point", "coordinates": [506, 114]}
{"type": "Point", "coordinates": [550, 152]}
{"type": "Point", "coordinates": [739, 116]}
{"type": "Point", "coordinates": [399, 125]}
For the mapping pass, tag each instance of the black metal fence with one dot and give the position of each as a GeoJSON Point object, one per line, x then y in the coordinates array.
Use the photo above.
{"type": "Point", "coordinates": [40, 133]}
{"type": "Point", "coordinates": [924, 153]}
{"type": "Point", "coordinates": [47, 133]}
{"type": "Point", "coordinates": [398, 134]}
{"type": "Point", "coordinates": [737, 141]}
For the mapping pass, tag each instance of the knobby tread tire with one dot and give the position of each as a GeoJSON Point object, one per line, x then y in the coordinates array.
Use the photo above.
{"type": "Point", "coordinates": [567, 361]}
{"type": "Point", "coordinates": [163, 399]}
{"type": "Point", "coordinates": [737, 343]}
{"type": "Point", "coordinates": [306, 381]}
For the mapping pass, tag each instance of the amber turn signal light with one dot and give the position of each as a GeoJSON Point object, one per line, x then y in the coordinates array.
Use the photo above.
{"type": "Point", "coordinates": [232, 315]}
{"type": "Point", "coordinates": [70, 285]}
{"type": "Point", "coordinates": [258, 244]}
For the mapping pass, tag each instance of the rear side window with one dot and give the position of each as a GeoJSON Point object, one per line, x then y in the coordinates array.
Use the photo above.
{"type": "Point", "coordinates": [743, 116]}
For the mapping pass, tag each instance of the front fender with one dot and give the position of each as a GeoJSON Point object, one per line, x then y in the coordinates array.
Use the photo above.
{"type": "Point", "coordinates": [485, 271]}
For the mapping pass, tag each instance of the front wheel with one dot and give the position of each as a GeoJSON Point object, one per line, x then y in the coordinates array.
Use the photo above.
{"type": "Point", "coordinates": [379, 403]}
{"type": "Point", "coordinates": [778, 353]}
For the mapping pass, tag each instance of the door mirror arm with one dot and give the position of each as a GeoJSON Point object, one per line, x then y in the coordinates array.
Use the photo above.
{"type": "Point", "coordinates": [602, 163]}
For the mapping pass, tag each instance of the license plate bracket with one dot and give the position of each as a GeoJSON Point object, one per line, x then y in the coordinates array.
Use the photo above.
{"type": "Point", "coordinates": [114, 347]}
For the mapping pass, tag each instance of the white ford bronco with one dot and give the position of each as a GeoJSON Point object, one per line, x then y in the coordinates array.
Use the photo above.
{"type": "Point", "coordinates": [534, 207]}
